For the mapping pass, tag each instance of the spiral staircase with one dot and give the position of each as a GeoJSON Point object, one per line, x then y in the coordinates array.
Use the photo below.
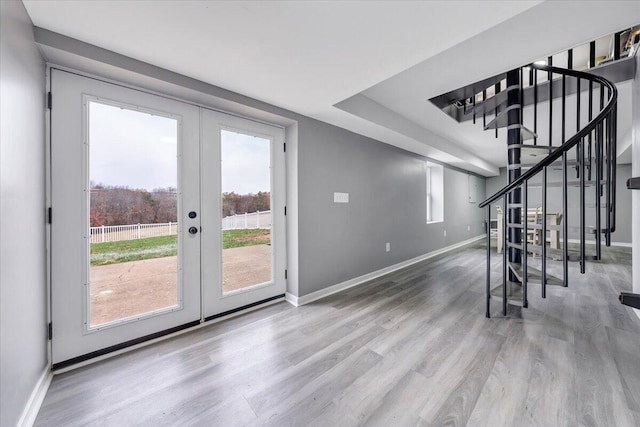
{"type": "Point", "coordinates": [561, 139]}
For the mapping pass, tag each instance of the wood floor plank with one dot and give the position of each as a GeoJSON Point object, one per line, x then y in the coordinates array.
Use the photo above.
{"type": "Point", "coordinates": [625, 347]}
{"type": "Point", "coordinates": [599, 392]}
{"type": "Point", "coordinates": [401, 404]}
{"type": "Point", "coordinates": [293, 379]}
{"type": "Point", "coordinates": [457, 388]}
{"type": "Point", "coordinates": [502, 401]}
{"type": "Point", "coordinates": [331, 416]}
{"type": "Point", "coordinates": [310, 401]}
{"type": "Point", "coordinates": [551, 400]}
{"type": "Point", "coordinates": [365, 394]}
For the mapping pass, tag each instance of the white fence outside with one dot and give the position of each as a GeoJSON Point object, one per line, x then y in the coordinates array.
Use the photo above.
{"type": "Point", "coordinates": [116, 233]}
{"type": "Point", "coordinates": [247, 220]}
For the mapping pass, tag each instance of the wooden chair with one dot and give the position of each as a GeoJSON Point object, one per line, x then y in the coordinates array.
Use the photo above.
{"type": "Point", "coordinates": [534, 236]}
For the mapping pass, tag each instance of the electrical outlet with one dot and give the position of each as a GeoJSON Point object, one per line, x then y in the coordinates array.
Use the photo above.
{"type": "Point", "coordinates": [445, 233]}
{"type": "Point", "coordinates": [468, 228]}
{"type": "Point", "coordinates": [388, 246]}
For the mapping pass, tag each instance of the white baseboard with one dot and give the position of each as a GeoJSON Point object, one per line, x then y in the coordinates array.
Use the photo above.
{"type": "Point", "coordinates": [34, 403]}
{"type": "Point", "coordinates": [322, 293]}
{"type": "Point", "coordinates": [291, 299]}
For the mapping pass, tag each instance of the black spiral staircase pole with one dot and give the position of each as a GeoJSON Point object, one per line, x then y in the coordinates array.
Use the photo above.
{"type": "Point", "coordinates": [514, 140]}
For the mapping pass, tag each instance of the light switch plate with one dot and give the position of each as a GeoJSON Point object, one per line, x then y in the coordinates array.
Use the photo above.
{"type": "Point", "coordinates": [340, 197]}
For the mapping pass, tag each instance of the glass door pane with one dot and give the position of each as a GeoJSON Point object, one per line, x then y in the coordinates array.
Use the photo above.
{"type": "Point", "coordinates": [246, 211]}
{"type": "Point", "coordinates": [133, 213]}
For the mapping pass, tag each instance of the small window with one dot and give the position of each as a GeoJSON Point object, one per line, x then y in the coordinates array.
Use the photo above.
{"type": "Point", "coordinates": [435, 192]}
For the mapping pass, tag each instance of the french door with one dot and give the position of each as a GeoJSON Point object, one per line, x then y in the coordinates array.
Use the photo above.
{"type": "Point", "coordinates": [161, 215]}
{"type": "Point", "coordinates": [243, 187]}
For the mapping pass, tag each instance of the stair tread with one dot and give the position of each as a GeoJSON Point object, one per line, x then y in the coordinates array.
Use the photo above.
{"type": "Point", "coordinates": [569, 183]}
{"type": "Point", "coordinates": [556, 254]}
{"type": "Point", "coordinates": [490, 105]}
{"type": "Point", "coordinates": [532, 150]}
{"type": "Point", "coordinates": [537, 249]}
{"type": "Point", "coordinates": [557, 163]}
{"type": "Point", "coordinates": [514, 293]}
{"type": "Point", "coordinates": [514, 245]}
{"type": "Point", "coordinates": [534, 226]}
{"type": "Point", "coordinates": [590, 228]}
{"type": "Point", "coordinates": [534, 275]}
{"type": "Point", "coordinates": [500, 121]}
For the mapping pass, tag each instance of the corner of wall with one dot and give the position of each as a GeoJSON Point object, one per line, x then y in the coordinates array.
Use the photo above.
{"type": "Point", "coordinates": [23, 312]}
{"type": "Point", "coordinates": [291, 138]}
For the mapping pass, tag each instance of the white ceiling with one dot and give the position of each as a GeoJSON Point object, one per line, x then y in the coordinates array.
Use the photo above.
{"type": "Point", "coordinates": [377, 61]}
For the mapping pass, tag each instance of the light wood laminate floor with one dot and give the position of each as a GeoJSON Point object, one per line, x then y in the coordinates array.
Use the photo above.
{"type": "Point", "coordinates": [409, 348]}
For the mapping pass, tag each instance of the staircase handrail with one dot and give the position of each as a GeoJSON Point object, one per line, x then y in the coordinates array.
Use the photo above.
{"type": "Point", "coordinates": [571, 142]}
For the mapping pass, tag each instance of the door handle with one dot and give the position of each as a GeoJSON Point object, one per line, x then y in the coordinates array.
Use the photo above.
{"type": "Point", "coordinates": [193, 230]}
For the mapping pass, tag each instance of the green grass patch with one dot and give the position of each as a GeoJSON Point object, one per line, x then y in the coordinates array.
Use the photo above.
{"type": "Point", "coordinates": [133, 250]}
{"type": "Point", "coordinates": [163, 246]}
{"type": "Point", "coordinates": [240, 238]}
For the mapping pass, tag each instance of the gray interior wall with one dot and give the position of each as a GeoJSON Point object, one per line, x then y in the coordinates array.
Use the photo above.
{"type": "Point", "coordinates": [23, 351]}
{"type": "Point", "coordinates": [554, 201]}
{"type": "Point", "coordinates": [387, 203]}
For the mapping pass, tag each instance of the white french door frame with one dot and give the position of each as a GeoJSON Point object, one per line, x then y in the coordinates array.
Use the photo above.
{"type": "Point", "coordinates": [73, 338]}
{"type": "Point", "coordinates": [208, 311]}
{"type": "Point", "coordinates": [215, 302]}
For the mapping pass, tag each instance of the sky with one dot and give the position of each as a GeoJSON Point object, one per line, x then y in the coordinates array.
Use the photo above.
{"type": "Point", "coordinates": [245, 163]}
{"type": "Point", "coordinates": [138, 150]}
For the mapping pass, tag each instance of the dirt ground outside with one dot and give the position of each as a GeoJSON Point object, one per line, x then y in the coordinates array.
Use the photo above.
{"type": "Point", "coordinates": [131, 288]}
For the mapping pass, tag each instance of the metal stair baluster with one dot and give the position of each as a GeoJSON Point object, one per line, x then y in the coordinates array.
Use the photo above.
{"type": "Point", "coordinates": [535, 105]}
{"type": "Point", "coordinates": [598, 191]}
{"type": "Point", "coordinates": [608, 186]}
{"type": "Point", "coordinates": [564, 108]}
{"type": "Point", "coordinates": [484, 110]}
{"type": "Point", "coordinates": [582, 210]}
{"type": "Point", "coordinates": [474, 108]}
{"type": "Point", "coordinates": [589, 151]}
{"type": "Point", "coordinates": [488, 278]}
{"type": "Point", "coordinates": [578, 147]}
{"type": "Point", "coordinates": [544, 233]}
{"type": "Point", "coordinates": [614, 169]}
{"type": "Point", "coordinates": [565, 225]}
{"type": "Point", "coordinates": [505, 249]}
{"type": "Point", "coordinates": [550, 104]}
